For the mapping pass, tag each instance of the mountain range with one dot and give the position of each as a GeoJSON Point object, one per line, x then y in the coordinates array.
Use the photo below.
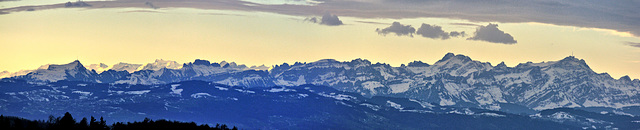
{"type": "Point", "coordinates": [455, 80]}
{"type": "Point", "coordinates": [279, 107]}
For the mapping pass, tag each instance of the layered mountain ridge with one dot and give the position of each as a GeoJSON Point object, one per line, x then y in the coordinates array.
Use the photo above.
{"type": "Point", "coordinates": [453, 80]}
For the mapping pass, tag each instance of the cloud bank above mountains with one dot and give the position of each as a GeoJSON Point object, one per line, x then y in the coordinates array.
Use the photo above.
{"type": "Point", "coordinates": [615, 15]}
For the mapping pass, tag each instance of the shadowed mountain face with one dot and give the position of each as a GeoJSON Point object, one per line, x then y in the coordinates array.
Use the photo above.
{"type": "Point", "coordinates": [296, 107]}
{"type": "Point", "coordinates": [455, 80]}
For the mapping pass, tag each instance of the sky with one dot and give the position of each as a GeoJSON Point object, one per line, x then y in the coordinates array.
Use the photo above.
{"type": "Point", "coordinates": [262, 32]}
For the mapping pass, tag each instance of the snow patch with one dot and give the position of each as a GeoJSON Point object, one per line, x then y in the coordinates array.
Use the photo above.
{"type": "Point", "coordinates": [446, 102]}
{"type": "Point", "coordinates": [466, 111]}
{"type": "Point", "coordinates": [200, 95]}
{"type": "Point", "coordinates": [222, 89]}
{"type": "Point", "coordinates": [275, 90]}
{"type": "Point", "coordinates": [344, 103]}
{"type": "Point", "coordinates": [622, 113]}
{"type": "Point", "coordinates": [373, 107]}
{"type": "Point", "coordinates": [399, 88]}
{"type": "Point", "coordinates": [492, 114]}
{"type": "Point", "coordinates": [423, 104]}
{"type": "Point", "coordinates": [337, 96]}
{"type": "Point", "coordinates": [137, 92]}
{"type": "Point", "coordinates": [174, 90]}
{"type": "Point", "coordinates": [394, 105]}
{"type": "Point", "coordinates": [561, 115]}
{"type": "Point", "coordinates": [83, 93]}
{"type": "Point", "coordinates": [371, 85]}
{"type": "Point", "coordinates": [245, 91]}
{"type": "Point", "coordinates": [604, 112]}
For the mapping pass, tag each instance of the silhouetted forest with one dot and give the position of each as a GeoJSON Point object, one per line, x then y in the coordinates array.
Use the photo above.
{"type": "Point", "coordinates": [67, 122]}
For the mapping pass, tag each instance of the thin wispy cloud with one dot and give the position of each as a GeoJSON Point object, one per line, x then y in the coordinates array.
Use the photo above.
{"type": "Point", "coordinates": [633, 44]}
{"type": "Point", "coordinates": [221, 14]}
{"type": "Point", "coordinates": [465, 24]}
{"type": "Point", "coordinates": [141, 11]}
{"type": "Point", "coordinates": [370, 22]}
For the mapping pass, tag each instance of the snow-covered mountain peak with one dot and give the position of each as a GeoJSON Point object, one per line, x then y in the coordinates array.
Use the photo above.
{"type": "Point", "coordinates": [459, 65]}
{"type": "Point", "coordinates": [417, 64]}
{"type": "Point", "coordinates": [126, 66]}
{"type": "Point", "coordinates": [99, 68]}
{"type": "Point", "coordinates": [70, 66]}
{"type": "Point", "coordinates": [359, 62]}
{"type": "Point", "coordinates": [43, 67]}
{"type": "Point", "coordinates": [501, 65]}
{"type": "Point", "coordinates": [74, 70]}
{"type": "Point", "coordinates": [325, 61]}
{"type": "Point", "coordinates": [450, 58]}
{"type": "Point", "coordinates": [160, 63]}
{"type": "Point", "coordinates": [261, 67]}
{"type": "Point", "coordinates": [625, 78]}
{"type": "Point", "coordinates": [201, 62]}
{"type": "Point", "coordinates": [4, 74]}
{"type": "Point", "coordinates": [572, 62]}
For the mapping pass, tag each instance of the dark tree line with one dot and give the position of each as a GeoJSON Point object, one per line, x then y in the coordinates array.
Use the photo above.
{"type": "Point", "coordinates": [67, 122]}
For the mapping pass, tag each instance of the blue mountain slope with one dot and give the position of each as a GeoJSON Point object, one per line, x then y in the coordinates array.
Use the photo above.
{"type": "Point", "coordinates": [297, 107]}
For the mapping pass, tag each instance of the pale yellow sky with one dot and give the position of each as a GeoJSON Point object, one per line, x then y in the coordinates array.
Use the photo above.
{"type": "Point", "coordinates": [58, 36]}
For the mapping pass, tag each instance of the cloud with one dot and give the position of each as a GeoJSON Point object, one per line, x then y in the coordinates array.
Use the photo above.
{"type": "Point", "coordinates": [465, 24]}
{"type": "Point", "coordinates": [221, 14]}
{"type": "Point", "coordinates": [621, 16]}
{"type": "Point", "coordinates": [331, 20]}
{"type": "Point", "coordinates": [151, 5]}
{"type": "Point", "coordinates": [633, 44]}
{"type": "Point", "coordinates": [398, 29]}
{"type": "Point", "coordinates": [456, 34]}
{"type": "Point", "coordinates": [327, 19]}
{"type": "Point", "coordinates": [312, 19]}
{"type": "Point", "coordinates": [433, 32]}
{"type": "Point", "coordinates": [141, 11]}
{"type": "Point", "coordinates": [370, 22]}
{"type": "Point", "coordinates": [491, 33]}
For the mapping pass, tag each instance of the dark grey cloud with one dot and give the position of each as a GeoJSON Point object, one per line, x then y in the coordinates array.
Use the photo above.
{"type": "Point", "coordinates": [331, 20]}
{"type": "Point", "coordinates": [327, 19]}
{"type": "Point", "coordinates": [621, 16]}
{"type": "Point", "coordinates": [457, 34]}
{"type": "Point", "coordinates": [398, 29]}
{"type": "Point", "coordinates": [491, 33]}
{"type": "Point", "coordinates": [433, 32]}
{"type": "Point", "coordinates": [633, 44]}
{"type": "Point", "coordinates": [151, 5]}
